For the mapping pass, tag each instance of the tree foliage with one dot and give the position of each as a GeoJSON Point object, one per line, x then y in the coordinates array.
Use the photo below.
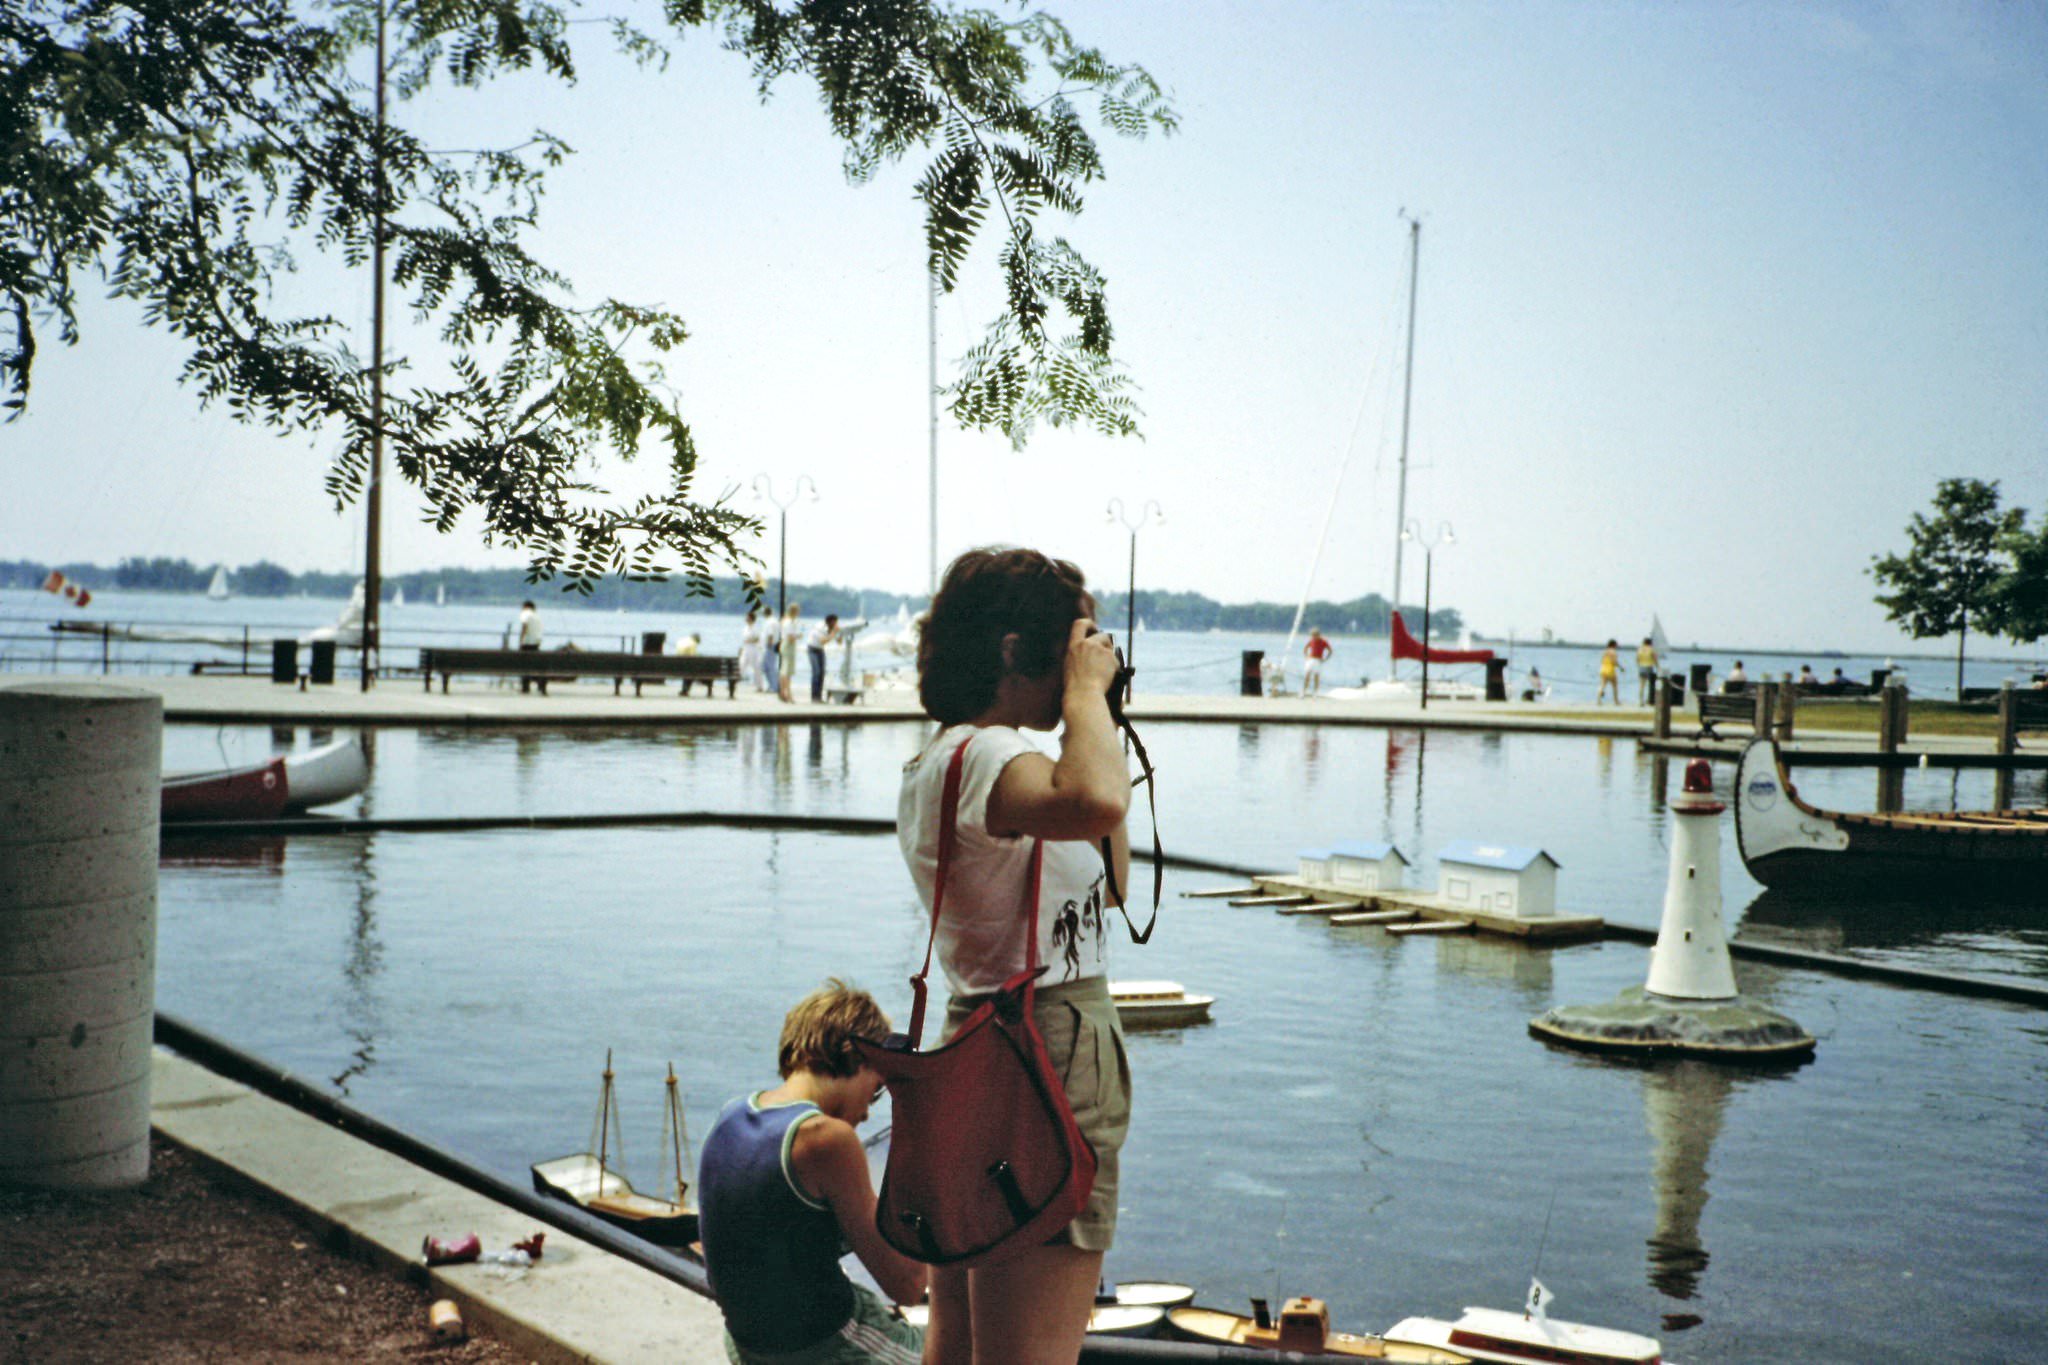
{"type": "Point", "coordinates": [184, 149]}
{"type": "Point", "coordinates": [1955, 561]}
{"type": "Point", "coordinates": [2018, 608]}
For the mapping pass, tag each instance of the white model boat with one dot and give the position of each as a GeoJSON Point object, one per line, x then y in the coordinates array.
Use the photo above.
{"type": "Point", "coordinates": [1158, 1004]}
{"type": "Point", "coordinates": [1106, 1320]}
{"type": "Point", "coordinates": [590, 1182]}
{"type": "Point", "coordinates": [1530, 1337]}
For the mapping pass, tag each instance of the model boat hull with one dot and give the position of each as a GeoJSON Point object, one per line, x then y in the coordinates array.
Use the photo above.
{"type": "Point", "coordinates": [279, 785]}
{"type": "Point", "coordinates": [1158, 1004]}
{"type": "Point", "coordinates": [1788, 843]}
{"type": "Point", "coordinates": [605, 1194]}
{"type": "Point", "coordinates": [1218, 1328]}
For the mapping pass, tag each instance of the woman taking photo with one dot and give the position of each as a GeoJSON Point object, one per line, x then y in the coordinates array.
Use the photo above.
{"type": "Point", "coordinates": [1009, 646]}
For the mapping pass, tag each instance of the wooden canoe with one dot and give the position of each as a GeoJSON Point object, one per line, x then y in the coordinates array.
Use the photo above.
{"type": "Point", "coordinates": [1787, 843]}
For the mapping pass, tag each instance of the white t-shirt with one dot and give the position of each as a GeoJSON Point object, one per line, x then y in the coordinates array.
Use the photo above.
{"type": "Point", "coordinates": [529, 627]}
{"type": "Point", "coordinates": [819, 637]}
{"type": "Point", "coordinates": [982, 926]}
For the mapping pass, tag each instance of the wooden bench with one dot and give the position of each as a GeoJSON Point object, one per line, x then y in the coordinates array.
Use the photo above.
{"type": "Point", "coordinates": [620, 667]}
{"type": "Point", "coordinates": [1740, 706]}
{"type": "Point", "coordinates": [2029, 704]}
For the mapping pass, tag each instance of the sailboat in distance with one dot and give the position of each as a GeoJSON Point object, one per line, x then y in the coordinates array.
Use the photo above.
{"type": "Point", "coordinates": [217, 591]}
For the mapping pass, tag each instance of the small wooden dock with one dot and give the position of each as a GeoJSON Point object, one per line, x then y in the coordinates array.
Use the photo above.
{"type": "Point", "coordinates": [1429, 912]}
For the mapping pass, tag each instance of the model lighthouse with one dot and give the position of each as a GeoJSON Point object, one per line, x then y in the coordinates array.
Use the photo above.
{"type": "Point", "coordinates": [1689, 1003]}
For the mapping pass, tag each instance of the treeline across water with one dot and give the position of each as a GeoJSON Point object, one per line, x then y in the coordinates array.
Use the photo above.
{"type": "Point", "coordinates": [1189, 611]}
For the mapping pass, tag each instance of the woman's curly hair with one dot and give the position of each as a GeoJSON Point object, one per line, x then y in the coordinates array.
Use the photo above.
{"type": "Point", "coordinates": [987, 594]}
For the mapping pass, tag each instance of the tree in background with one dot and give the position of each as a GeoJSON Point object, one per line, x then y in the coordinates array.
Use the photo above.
{"type": "Point", "coordinates": [184, 149]}
{"type": "Point", "coordinates": [2019, 601]}
{"type": "Point", "coordinates": [1955, 561]}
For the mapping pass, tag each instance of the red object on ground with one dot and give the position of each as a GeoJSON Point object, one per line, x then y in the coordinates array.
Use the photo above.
{"type": "Point", "coordinates": [531, 1246]}
{"type": "Point", "coordinates": [1406, 646]}
{"type": "Point", "coordinates": [452, 1252]}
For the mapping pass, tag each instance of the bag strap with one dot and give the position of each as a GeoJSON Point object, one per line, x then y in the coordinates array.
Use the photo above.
{"type": "Point", "coordinates": [948, 840]}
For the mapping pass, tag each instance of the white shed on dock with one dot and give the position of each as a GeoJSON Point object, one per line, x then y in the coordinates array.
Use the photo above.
{"type": "Point", "coordinates": [1498, 879]}
{"type": "Point", "coordinates": [1312, 864]}
{"type": "Point", "coordinates": [1359, 865]}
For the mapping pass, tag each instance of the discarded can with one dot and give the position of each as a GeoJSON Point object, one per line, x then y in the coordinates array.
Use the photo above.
{"type": "Point", "coordinates": [452, 1252]}
{"type": "Point", "coordinates": [531, 1246]}
{"type": "Point", "coordinates": [444, 1319]}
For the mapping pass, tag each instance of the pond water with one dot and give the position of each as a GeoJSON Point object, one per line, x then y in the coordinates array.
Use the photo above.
{"type": "Point", "coordinates": [1366, 1119]}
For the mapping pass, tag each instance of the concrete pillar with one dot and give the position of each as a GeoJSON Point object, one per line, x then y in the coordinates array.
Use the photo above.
{"type": "Point", "coordinates": [1788, 706]}
{"type": "Point", "coordinates": [80, 787]}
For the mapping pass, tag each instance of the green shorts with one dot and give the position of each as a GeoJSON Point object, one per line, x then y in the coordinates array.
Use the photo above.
{"type": "Point", "coordinates": [873, 1334]}
{"type": "Point", "coordinates": [1085, 1041]}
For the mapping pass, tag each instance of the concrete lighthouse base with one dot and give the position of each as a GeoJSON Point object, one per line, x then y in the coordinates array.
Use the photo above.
{"type": "Point", "coordinates": [1636, 1021]}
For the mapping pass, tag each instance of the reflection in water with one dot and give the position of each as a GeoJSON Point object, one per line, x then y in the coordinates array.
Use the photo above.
{"type": "Point", "coordinates": [1312, 754]}
{"type": "Point", "coordinates": [1683, 1104]}
{"type": "Point", "coordinates": [259, 853]}
{"type": "Point", "coordinates": [1511, 960]}
{"type": "Point", "coordinates": [1248, 742]}
{"type": "Point", "coordinates": [361, 1012]}
{"type": "Point", "coordinates": [1660, 778]}
{"type": "Point", "coordinates": [814, 751]}
{"type": "Point", "coordinates": [1603, 749]}
{"type": "Point", "coordinates": [2017, 925]}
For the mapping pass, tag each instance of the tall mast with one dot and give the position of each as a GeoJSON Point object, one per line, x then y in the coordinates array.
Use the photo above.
{"type": "Point", "coordinates": [373, 584]}
{"type": "Point", "coordinates": [932, 402]}
{"type": "Point", "coordinates": [1407, 396]}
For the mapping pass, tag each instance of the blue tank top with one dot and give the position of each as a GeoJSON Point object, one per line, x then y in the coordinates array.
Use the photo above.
{"type": "Point", "coordinates": [772, 1253]}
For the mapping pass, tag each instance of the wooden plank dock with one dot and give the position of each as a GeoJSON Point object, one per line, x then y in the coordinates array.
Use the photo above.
{"type": "Point", "coordinates": [1352, 906]}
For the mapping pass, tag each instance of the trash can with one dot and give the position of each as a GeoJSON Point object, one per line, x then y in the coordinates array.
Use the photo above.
{"type": "Point", "coordinates": [320, 668]}
{"type": "Point", "coordinates": [651, 641]}
{"type": "Point", "coordinates": [1676, 682]}
{"type": "Point", "coordinates": [1251, 682]}
{"type": "Point", "coordinates": [1700, 674]}
{"type": "Point", "coordinates": [1496, 679]}
{"type": "Point", "coordinates": [284, 661]}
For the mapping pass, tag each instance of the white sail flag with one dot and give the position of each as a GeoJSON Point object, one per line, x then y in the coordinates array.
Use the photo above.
{"type": "Point", "coordinates": [1539, 1301]}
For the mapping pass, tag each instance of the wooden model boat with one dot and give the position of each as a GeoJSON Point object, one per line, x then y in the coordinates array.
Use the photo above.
{"type": "Point", "coordinates": [1303, 1326]}
{"type": "Point", "coordinates": [1158, 1004]}
{"type": "Point", "coordinates": [280, 785]}
{"type": "Point", "coordinates": [589, 1182]}
{"type": "Point", "coordinates": [1787, 843]}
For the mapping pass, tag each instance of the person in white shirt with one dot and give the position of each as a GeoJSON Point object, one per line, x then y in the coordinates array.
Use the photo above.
{"type": "Point", "coordinates": [822, 634]}
{"type": "Point", "coordinates": [1009, 646]}
{"type": "Point", "coordinates": [529, 641]}
{"type": "Point", "coordinates": [750, 651]}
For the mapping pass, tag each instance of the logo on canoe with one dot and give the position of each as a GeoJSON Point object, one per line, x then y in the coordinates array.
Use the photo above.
{"type": "Point", "coordinates": [1763, 793]}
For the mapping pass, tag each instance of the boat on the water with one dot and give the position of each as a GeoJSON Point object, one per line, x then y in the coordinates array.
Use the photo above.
{"type": "Point", "coordinates": [1158, 1004]}
{"type": "Point", "coordinates": [217, 590]}
{"type": "Point", "coordinates": [1303, 1326]}
{"type": "Point", "coordinates": [1787, 843]}
{"type": "Point", "coordinates": [280, 785]}
{"type": "Point", "coordinates": [588, 1180]}
{"type": "Point", "coordinates": [1161, 1294]}
{"type": "Point", "coordinates": [1528, 1338]}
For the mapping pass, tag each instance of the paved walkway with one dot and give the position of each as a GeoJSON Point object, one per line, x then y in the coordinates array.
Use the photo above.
{"type": "Point", "coordinates": [577, 1303]}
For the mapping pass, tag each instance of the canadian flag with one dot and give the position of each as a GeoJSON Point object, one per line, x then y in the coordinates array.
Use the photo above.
{"type": "Point", "coordinates": [75, 593]}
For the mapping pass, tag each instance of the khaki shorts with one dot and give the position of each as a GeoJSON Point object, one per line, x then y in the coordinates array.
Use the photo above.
{"type": "Point", "coordinates": [1085, 1043]}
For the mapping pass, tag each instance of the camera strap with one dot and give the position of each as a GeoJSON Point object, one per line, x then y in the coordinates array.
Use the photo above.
{"type": "Point", "coordinates": [1117, 693]}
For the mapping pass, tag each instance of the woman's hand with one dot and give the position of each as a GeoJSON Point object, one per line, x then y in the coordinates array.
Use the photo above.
{"type": "Point", "coordinates": [1091, 664]}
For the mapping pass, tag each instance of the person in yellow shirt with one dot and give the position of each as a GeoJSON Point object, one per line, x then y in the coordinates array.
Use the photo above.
{"type": "Point", "coordinates": [1646, 672]}
{"type": "Point", "coordinates": [1610, 673]}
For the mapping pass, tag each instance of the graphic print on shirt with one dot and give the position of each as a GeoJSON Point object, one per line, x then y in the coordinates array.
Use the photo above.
{"type": "Point", "coordinates": [1074, 919]}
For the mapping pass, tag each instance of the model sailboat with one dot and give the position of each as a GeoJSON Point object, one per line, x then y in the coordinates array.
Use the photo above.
{"type": "Point", "coordinates": [588, 1180]}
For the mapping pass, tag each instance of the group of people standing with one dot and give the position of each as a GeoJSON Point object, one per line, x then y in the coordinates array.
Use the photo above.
{"type": "Point", "coordinates": [768, 647]}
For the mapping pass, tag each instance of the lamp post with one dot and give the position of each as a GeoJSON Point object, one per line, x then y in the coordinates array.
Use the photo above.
{"type": "Point", "coordinates": [1444, 536]}
{"type": "Point", "coordinates": [1148, 515]}
{"type": "Point", "coordinates": [764, 487]}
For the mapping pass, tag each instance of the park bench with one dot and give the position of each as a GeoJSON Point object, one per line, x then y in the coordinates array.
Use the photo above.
{"type": "Point", "coordinates": [2029, 704]}
{"type": "Point", "coordinates": [1740, 706]}
{"type": "Point", "coordinates": [619, 666]}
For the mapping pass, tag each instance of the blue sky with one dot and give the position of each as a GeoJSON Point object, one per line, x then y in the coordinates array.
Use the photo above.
{"type": "Point", "coordinates": [1711, 295]}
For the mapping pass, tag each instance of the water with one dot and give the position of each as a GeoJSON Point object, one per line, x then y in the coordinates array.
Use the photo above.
{"type": "Point", "coordinates": [1170, 663]}
{"type": "Point", "coordinates": [1366, 1119]}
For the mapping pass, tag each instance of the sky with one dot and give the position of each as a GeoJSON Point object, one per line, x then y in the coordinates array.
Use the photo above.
{"type": "Point", "coordinates": [1710, 296]}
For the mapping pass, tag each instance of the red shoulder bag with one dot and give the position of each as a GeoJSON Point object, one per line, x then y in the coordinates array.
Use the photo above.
{"type": "Point", "coordinates": [985, 1158]}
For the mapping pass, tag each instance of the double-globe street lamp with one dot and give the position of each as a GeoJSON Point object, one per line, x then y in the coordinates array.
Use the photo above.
{"type": "Point", "coordinates": [1148, 515]}
{"type": "Point", "coordinates": [1444, 536]}
{"type": "Point", "coordinates": [764, 488]}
